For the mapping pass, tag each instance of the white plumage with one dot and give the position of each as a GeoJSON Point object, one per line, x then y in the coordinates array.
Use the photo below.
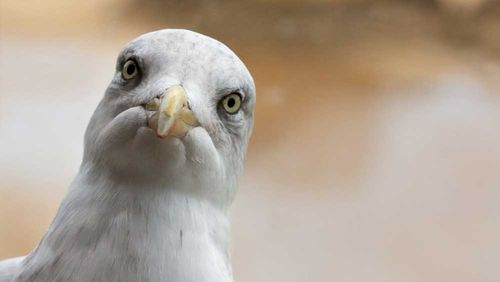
{"type": "Point", "coordinates": [163, 154]}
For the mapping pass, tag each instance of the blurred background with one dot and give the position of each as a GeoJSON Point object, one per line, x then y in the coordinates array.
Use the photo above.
{"type": "Point", "coordinates": [375, 155]}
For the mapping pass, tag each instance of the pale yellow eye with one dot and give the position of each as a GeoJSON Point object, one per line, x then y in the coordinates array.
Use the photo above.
{"type": "Point", "coordinates": [129, 70]}
{"type": "Point", "coordinates": [231, 103]}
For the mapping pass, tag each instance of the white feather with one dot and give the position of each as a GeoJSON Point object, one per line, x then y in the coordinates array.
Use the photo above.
{"type": "Point", "coordinates": [143, 208]}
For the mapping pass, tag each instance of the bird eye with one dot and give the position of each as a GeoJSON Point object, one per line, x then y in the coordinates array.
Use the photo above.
{"type": "Point", "coordinates": [130, 70]}
{"type": "Point", "coordinates": [231, 103]}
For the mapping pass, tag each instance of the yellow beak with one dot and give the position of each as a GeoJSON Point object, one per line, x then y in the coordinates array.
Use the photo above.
{"type": "Point", "coordinates": [172, 115]}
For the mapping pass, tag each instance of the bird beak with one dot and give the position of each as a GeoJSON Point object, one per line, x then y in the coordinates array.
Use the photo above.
{"type": "Point", "coordinates": [170, 115]}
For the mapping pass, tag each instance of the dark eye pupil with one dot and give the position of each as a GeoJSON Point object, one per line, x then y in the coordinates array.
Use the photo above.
{"type": "Point", "coordinates": [130, 69]}
{"type": "Point", "coordinates": [231, 102]}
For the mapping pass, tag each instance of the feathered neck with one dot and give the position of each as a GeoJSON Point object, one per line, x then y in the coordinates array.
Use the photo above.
{"type": "Point", "coordinates": [110, 231]}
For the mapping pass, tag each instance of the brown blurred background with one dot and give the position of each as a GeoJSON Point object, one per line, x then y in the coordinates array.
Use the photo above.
{"type": "Point", "coordinates": [376, 150]}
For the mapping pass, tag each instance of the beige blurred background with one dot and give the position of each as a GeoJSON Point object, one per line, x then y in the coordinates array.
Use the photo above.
{"type": "Point", "coordinates": [376, 150]}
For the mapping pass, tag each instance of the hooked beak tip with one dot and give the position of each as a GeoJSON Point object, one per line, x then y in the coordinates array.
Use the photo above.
{"type": "Point", "coordinates": [172, 114]}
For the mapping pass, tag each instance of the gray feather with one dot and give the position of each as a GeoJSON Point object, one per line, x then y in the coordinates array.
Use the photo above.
{"type": "Point", "coordinates": [143, 208]}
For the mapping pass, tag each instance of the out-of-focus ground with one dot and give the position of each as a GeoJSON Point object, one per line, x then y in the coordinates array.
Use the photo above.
{"type": "Point", "coordinates": [376, 150]}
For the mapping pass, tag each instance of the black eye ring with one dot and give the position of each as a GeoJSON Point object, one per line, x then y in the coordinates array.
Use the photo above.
{"type": "Point", "coordinates": [130, 70]}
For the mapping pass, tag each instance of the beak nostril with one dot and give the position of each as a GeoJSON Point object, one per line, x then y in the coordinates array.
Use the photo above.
{"type": "Point", "coordinates": [152, 105]}
{"type": "Point", "coordinates": [173, 115]}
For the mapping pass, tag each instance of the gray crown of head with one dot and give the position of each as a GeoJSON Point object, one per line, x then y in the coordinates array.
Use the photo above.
{"type": "Point", "coordinates": [163, 153]}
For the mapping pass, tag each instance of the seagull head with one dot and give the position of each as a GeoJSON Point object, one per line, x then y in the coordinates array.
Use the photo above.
{"type": "Point", "coordinates": [178, 113]}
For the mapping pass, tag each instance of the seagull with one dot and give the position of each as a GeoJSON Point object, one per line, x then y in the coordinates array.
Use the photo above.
{"type": "Point", "coordinates": [163, 154]}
